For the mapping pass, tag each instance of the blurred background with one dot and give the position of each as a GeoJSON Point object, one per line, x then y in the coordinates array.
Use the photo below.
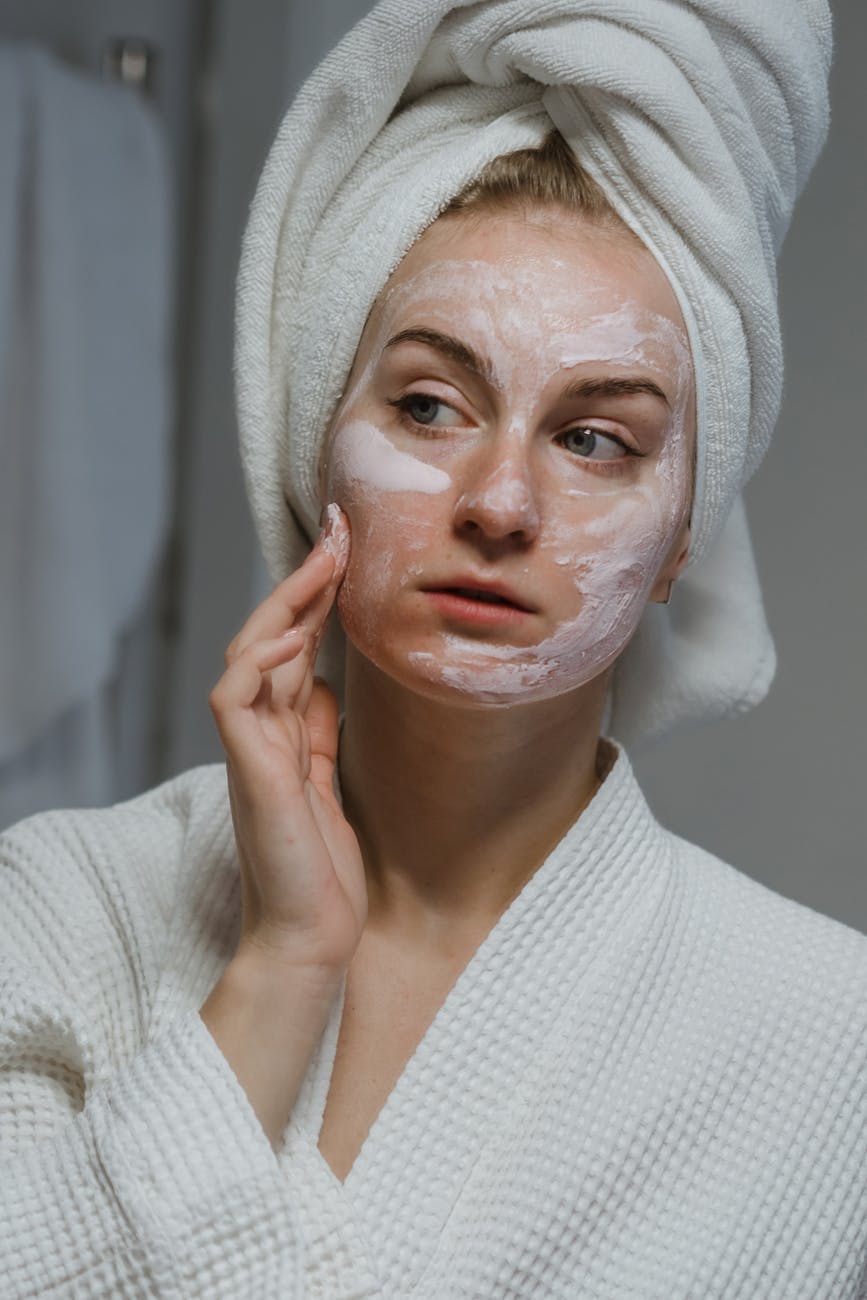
{"type": "Point", "coordinates": [131, 138]}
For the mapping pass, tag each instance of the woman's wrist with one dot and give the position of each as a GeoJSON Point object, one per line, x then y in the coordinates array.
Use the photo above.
{"type": "Point", "coordinates": [269, 964]}
{"type": "Point", "coordinates": [267, 1017]}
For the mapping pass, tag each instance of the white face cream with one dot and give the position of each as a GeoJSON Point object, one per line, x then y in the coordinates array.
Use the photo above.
{"type": "Point", "coordinates": [492, 488]}
{"type": "Point", "coordinates": [369, 458]}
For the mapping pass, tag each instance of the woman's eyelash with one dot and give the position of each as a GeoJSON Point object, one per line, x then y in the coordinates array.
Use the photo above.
{"type": "Point", "coordinates": [402, 404]}
{"type": "Point", "coordinates": [408, 398]}
{"type": "Point", "coordinates": [599, 433]}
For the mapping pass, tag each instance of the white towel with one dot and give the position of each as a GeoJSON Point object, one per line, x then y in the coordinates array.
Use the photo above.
{"type": "Point", "coordinates": [700, 120]}
{"type": "Point", "coordinates": [85, 380]}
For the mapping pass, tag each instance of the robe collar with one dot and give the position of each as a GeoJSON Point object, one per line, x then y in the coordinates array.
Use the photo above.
{"type": "Point", "coordinates": [561, 935]}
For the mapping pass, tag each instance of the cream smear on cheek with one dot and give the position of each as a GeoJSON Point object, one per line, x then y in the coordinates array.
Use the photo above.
{"type": "Point", "coordinates": [364, 460]}
{"type": "Point", "coordinates": [609, 536]}
{"type": "Point", "coordinates": [366, 456]}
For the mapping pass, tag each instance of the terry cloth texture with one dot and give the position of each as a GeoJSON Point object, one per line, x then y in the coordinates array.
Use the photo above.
{"type": "Point", "coordinates": [649, 1081]}
{"type": "Point", "coordinates": [701, 121]}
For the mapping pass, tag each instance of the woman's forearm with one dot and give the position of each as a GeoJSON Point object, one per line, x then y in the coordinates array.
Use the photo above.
{"type": "Point", "coordinates": [267, 1017]}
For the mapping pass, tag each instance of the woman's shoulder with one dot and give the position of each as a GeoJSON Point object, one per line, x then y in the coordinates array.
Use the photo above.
{"type": "Point", "coordinates": [740, 891]}
{"type": "Point", "coordinates": [120, 867]}
{"type": "Point", "coordinates": [171, 807]}
{"type": "Point", "coordinates": [760, 944]}
{"type": "Point", "coordinates": [152, 825]}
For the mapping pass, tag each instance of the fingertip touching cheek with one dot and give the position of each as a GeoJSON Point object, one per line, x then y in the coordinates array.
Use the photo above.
{"type": "Point", "coordinates": [514, 455]}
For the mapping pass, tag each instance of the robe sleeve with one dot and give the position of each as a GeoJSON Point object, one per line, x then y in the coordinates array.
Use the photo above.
{"type": "Point", "coordinates": [132, 1164]}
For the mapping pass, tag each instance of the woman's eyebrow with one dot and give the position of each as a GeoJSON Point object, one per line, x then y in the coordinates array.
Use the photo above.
{"type": "Point", "coordinates": [614, 386]}
{"type": "Point", "coordinates": [466, 356]}
{"type": "Point", "coordinates": [451, 347]}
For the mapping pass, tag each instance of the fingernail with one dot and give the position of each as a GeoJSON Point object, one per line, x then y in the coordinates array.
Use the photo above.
{"type": "Point", "coordinates": [335, 537]}
{"type": "Point", "coordinates": [326, 525]}
{"type": "Point", "coordinates": [292, 632]}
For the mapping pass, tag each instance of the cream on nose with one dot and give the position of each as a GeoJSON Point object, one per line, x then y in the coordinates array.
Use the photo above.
{"type": "Point", "coordinates": [500, 500]}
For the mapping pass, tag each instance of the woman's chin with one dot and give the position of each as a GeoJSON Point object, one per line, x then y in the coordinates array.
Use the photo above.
{"type": "Point", "coordinates": [474, 681]}
{"type": "Point", "coordinates": [430, 672]}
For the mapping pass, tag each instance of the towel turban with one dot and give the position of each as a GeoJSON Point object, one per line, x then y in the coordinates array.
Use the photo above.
{"type": "Point", "coordinates": [699, 119]}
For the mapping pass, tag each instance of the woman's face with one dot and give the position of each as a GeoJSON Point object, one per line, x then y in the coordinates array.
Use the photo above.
{"type": "Point", "coordinates": [519, 421]}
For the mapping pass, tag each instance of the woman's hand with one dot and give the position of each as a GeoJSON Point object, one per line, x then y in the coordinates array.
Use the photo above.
{"type": "Point", "coordinates": [304, 895]}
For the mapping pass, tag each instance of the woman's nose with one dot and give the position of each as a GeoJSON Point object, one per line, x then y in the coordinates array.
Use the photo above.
{"type": "Point", "coordinates": [498, 496]}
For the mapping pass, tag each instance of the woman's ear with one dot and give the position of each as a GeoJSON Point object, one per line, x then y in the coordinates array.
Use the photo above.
{"type": "Point", "coordinates": [673, 567]}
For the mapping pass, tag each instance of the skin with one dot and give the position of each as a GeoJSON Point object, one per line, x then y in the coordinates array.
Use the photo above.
{"type": "Point", "coordinates": [453, 732]}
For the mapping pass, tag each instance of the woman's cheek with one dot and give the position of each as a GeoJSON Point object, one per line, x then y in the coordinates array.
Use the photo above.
{"type": "Point", "coordinates": [360, 595]}
{"type": "Point", "coordinates": [389, 531]}
{"type": "Point", "coordinates": [393, 501]}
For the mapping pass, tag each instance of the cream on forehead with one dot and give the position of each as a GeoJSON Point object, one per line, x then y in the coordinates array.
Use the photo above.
{"type": "Point", "coordinates": [501, 302]}
{"type": "Point", "coordinates": [538, 301]}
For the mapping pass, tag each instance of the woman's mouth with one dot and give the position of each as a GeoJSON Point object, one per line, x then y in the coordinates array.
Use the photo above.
{"type": "Point", "coordinates": [476, 605]}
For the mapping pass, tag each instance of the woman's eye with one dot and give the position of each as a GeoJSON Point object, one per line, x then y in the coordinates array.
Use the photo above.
{"type": "Point", "coordinates": [587, 443]}
{"type": "Point", "coordinates": [422, 409]}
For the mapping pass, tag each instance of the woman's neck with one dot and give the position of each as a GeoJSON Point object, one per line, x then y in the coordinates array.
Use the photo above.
{"type": "Point", "coordinates": [456, 807]}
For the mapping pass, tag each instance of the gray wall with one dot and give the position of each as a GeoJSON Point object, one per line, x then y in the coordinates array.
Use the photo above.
{"type": "Point", "coordinates": [254, 69]}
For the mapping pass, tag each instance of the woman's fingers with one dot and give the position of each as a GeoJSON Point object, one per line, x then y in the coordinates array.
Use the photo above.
{"type": "Point", "coordinates": [279, 610]}
{"type": "Point", "coordinates": [292, 684]}
{"type": "Point", "coordinates": [297, 598]}
{"type": "Point", "coordinates": [335, 541]}
{"type": "Point", "coordinates": [302, 876]}
{"type": "Point", "coordinates": [239, 688]}
{"type": "Point", "coordinates": [271, 676]}
{"type": "Point", "coordinates": [267, 686]}
{"type": "Point", "coordinates": [322, 718]}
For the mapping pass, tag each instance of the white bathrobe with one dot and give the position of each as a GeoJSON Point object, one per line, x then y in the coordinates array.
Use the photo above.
{"type": "Point", "coordinates": [650, 1081]}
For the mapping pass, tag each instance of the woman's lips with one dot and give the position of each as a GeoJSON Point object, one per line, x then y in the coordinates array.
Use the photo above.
{"type": "Point", "coordinates": [468, 609]}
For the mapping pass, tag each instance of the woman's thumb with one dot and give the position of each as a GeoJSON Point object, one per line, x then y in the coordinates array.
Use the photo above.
{"type": "Point", "coordinates": [321, 719]}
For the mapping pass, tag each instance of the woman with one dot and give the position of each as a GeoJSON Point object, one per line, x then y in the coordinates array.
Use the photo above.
{"type": "Point", "coordinates": [430, 1004]}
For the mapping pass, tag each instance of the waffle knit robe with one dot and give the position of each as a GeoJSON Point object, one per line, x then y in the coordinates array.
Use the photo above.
{"type": "Point", "coordinates": [650, 1081]}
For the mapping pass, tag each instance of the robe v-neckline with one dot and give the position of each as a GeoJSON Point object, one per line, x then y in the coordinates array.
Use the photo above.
{"type": "Point", "coordinates": [555, 939]}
